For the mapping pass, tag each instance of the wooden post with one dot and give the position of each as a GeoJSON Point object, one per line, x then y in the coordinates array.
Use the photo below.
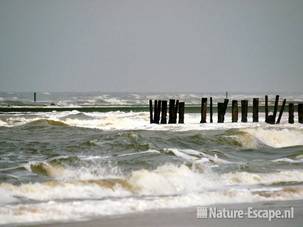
{"type": "Point", "coordinates": [276, 107]}
{"type": "Point", "coordinates": [171, 111]}
{"type": "Point", "coordinates": [151, 111]}
{"type": "Point", "coordinates": [300, 113]}
{"type": "Point", "coordinates": [181, 112]}
{"type": "Point", "coordinates": [203, 110]}
{"type": "Point", "coordinates": [164, 112]}
{"type": "Point", "coordinates": [291, 110]}
{"type": "Point", "coordinates": [221, 108]}
{"type": "Point", "coordinates": [244, 108]}
{"type": "Point", "coordinates": [255, 110]}
{"type": "Point", "coordinates": [156, 112]}
{"type": "Point", "coordinates": [266, 108]}
{"type": "Point", "coordinates": [225, 105]}
{"type": "Point", "coordinates": [234, 111]}
{"type": "Point", "coordinates": [176, 110]}
{"type": "Point", "coordinates": [35, 96]}
{"type": "Point", "coordinates": [211, 110]}
{"type": "Point", "coordinates": [281, 111]}
{"type": "Point", "coordinates": [271, 119]}
{"type": "Point", "coordinates": [159, 110]}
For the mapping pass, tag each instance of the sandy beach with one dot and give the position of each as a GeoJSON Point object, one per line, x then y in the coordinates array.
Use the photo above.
{"type": "Point", "coordinates": [187, 217]}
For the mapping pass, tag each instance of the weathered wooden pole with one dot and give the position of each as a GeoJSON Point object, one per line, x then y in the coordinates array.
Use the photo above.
{"type": "Point", "coordinates": [181, 112]}
{"type": "Point", "coordinates": [164, 112]}
{"type": "Point", "coordinates": [281, 111]}
{"type": "Point", "coordinates": [151, 111]}
{"type": "Point", "coordinates": [176, 110]}
{"type": "Point", "coordinates": [291, 110]}
{"type": "Point", "coordinates": [35, 96]}
{"type": "Point", "coordinates": [221, 109]}
{"type": "Point", "coordinates": [255, 110]}
{"type": "Point", "coordinates": [157, 112]}
{"type": "Point", "coordinates": [300, 113]}
{"type": "Point", "coordinates": [244, 108]}
{"type": "Point", "coordinates": [271, 119]}
{"type": "Point", "coordinates": [203, 110]}
{"type": "Point", "coordinates": [276, 107]}
{"type": "Point", "coordinates": [211, 110]}
{"type": "Point", "coordinates": [225, 105]}
{"type": "Point", "coordinates": [171, 111]}
{"type": "Point", "coordinates": [266, 108]}
{"type": "Point", "coordinates": [234, 111]}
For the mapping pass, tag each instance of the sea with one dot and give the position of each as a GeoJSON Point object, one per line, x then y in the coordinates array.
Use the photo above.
{"type": "Point", "coordinates": [63, 166]}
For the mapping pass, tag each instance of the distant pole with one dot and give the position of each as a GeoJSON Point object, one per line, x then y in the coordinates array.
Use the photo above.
{"type": "Point", "coordinates": [234, 111]}
{"type": "Point", "coordinates": [181, 112]}
{"type": "Point", "coordinates": [226, 95]}
{"type": "Point", "coordinates": [151, 111]}
{"type": "Point", "coordinates": [300, 113]}
{"type": "Point", "coordinates": [203, 110]}
{"type": "Point", "coordinates": [266, 108]}
{"type": "Point", "coordinates": [244, 108]}
{"type": "Point", "coordinates": [255, 110]}
{"type": "Point", "coordinates": [35, 96]}
{"type": "Point", "coordinates": [291, 110]}
{"type": "Point", "coordinates": [281, 111]}
{"type": "Point", "coordinates": [211, 110]}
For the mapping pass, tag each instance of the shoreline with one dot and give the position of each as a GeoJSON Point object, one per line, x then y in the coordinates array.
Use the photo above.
{"type": "Point", "coordinates": [187, 217]}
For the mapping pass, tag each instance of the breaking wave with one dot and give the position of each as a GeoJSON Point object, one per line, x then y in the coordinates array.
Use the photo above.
{"type": "Point", "coordinates": [272, 137]}
{"type": "Point", "coordinates": [167, 186]}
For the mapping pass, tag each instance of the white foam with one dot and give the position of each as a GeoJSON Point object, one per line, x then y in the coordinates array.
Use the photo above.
{"type": "Point", "coordinates": [245, 178]}
{"type": "Point", "coordinates": [168, 186]}
{"type": "Point", "coordinates": [118, 120]}
{"type": "Point", "coordinates": [62, 190]}
{"type": "Point", "coordinates": [170, 180]}
{"type": "Point", "coordinates": [2, 123]}
{"type": "Point", "coordinates": [184, 155]}
{"type": "Point", "coordinates": [80, 210]}
{"type": "Point", "coordinates": [6, 197]}
{"type": "Point", "coordinates": [140, 152]}
{"type": "Point", "coordinates": [277, 137]}
{"type": "Point", "coordinates": [195, 156]}
{"type": "Point", "coordinates": [288, 160]}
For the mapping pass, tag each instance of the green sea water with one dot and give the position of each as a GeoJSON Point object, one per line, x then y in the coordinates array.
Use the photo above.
{"type": "Point", "coordinates": [70, 165]}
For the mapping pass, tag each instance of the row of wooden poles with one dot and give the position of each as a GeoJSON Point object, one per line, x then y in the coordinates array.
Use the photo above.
{"type": "Point", "coordinates": [273, 118]}
{"type": "Point", "coordinates": [160, 106]}
{"type": "Point", "coordinates": [158, 111]}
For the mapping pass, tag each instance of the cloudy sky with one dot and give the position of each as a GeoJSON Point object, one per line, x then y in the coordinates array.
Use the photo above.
{"type": "Point", "coordinates": [151, 45]}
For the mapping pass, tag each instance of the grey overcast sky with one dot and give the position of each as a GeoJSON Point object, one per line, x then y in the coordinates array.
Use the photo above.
{"type": "Point", "coordinates": [151, 45]}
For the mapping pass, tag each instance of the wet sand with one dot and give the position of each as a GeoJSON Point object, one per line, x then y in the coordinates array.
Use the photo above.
{"type": "Point", "coordinates": [187, 217]}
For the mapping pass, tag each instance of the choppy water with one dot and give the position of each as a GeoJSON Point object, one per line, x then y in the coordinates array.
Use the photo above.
{"type": "Point", "coordinates": [64, 166]}
{"type": "Point", "coordinates": [103, 99]}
